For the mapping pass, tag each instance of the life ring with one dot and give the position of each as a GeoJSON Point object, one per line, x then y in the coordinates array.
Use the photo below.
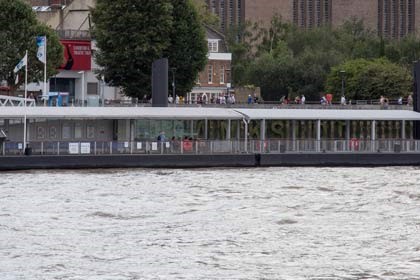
{"type": "Point", "coordinates": [187, 146]}
{"type": "Point", "coordinates": [354, 144]}
{"type": "Point", "coordinates": [258, 145]}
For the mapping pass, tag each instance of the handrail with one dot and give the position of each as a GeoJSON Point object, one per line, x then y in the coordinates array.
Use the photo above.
{"type": "Point", "coordinates": [16, 101]}
{"type": "Point", "coordinates": [209, 147]}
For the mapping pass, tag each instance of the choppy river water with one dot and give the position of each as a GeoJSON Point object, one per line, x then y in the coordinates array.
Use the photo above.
{"type": "Point", "coordinates": [266, 223]}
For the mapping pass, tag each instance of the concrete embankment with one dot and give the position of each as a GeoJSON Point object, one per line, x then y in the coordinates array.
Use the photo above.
{"type": "Point", "coordinates": [199, 161]}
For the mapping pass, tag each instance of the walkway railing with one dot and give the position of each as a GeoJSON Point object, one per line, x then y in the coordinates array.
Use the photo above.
{"type": "Point", "coordinates": [16, 101]}
{"type": "Point", "coordinates": [210, 147]}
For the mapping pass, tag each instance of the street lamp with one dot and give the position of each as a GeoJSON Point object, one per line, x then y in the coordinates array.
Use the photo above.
{"type": "Point", "coordinates": [342, 74]}
{"type": "Point", "coordinates": [83, 87]}
{"type": "Point", "coordinates": [103, 90]}
{"type": "Point", "coordinates": [229, 83]}
{"type": "Point", "coordinates": [173, 69]}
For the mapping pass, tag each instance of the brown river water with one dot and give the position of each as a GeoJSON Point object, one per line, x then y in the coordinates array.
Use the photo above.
{"type": "Point", "coordinates": [264, 223]}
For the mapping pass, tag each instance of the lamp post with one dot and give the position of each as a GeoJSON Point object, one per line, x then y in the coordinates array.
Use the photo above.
{"type": "Point", "coordinates": [173, 70]}
{"type": "Point", "coordinates": [342, 74]}
{"type": "Point", "coordinates": [83, 87]}
{"type": "Point", "coordinates": [103, 90]}
{"type": "Point", "coordinates": [228, 84]}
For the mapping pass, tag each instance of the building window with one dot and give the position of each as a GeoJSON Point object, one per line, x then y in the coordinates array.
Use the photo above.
{"type": "Point", "coordinates": [403, 16]}
{"type": "Point", "coordinates": [296, 12]}
{"type": "Point", "coordinates": [302, 13]}
{"type": "Point", "coordinates": [222, 74]}
{"type": "Point", "coordinates": [394, 11]}
{"type": "Point", "coordinates": [318, 13]}
{"type": "Point", "coordinates": [92, 88]}
{"type": "Point", "coordinates": [310, 13]}
{"type": "Point", "coordinates": [327, 11]}
{"type": "Point", "coordinates": [387, 19]}
{"type": "Point", "coordinates": [410, 17]}
{"type": "Point", "coordinates": [210, 74]}
{"type": "Point", "coordinates": [213, 45]}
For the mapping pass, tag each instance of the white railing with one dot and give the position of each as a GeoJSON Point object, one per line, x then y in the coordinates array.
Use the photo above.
{"type": "Point", "coordinates": [16, 101]}
{"type": "Point", "coordinates": [210, 147]}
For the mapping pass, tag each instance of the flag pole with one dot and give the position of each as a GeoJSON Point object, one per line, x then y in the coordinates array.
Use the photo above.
{"type": "Point", "coordinates": [24, 103]}
{"type": "Point", "coordinates": [45, 73]}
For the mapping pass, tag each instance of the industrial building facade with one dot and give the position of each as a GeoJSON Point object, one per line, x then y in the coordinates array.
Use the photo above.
{"type": "Point", "coordinates": [391, 18]}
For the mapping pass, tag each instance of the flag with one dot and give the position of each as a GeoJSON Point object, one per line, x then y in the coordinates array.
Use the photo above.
{"type": "Point", "coordinates": [41, 41]}
{"type": "Point", "coordinates": [23, 62]}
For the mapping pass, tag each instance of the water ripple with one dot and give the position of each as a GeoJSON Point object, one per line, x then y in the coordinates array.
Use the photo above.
{"type": "Point", "coordinates": [265, 223]}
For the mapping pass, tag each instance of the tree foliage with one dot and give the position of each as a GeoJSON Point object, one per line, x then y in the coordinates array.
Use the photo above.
{"type": "Point", "coordinates": [18, 31]}
{"type": "Point", "coordinates": [285, 60]}
{"type": "Point", "coordinates": [206, 16]}
{"type": "Point", "coordinates": [369, 79]}
{"type": "Point", "coordinates": [188, 48]}
{"type": "Point", "coordinates": [132, 34]}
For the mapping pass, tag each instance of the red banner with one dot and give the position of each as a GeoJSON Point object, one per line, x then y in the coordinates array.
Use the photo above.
{"type": "Point", "coordinates": [77, 55]}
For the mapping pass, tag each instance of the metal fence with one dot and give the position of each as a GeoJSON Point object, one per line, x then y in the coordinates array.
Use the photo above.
{"type": "Point", "coordinates": [211, 147]}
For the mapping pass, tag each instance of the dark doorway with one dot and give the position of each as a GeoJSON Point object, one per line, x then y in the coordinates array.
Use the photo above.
{"type": "Point", "coordinates": [63, 85]}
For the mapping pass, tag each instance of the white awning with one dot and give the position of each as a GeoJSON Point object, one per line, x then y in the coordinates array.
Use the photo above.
{"type": "Point", "coordinates": [200, 113]}
{"type": "Point", "coordinates": [166, 113]}
{"type": "Point", "coordinates": [328, 114]}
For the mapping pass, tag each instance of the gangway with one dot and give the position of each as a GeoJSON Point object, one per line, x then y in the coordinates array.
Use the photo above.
{"type": "Point", "coordinates": [16, 101]}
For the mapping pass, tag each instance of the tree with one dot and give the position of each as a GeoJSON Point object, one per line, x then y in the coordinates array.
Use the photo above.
{"type": "Point", "coordinates": [19, 29]}
{"type": "Point", "coordinates": [132, 34]}
{"type": "Point", "coordinates": [369, 79]}
{"type": "Point", "coordinates": [188, 48]}
{"type": "Point", "coordinates": [206, 16]}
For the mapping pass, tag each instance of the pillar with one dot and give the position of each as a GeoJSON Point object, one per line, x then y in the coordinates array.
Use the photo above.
{"type": "Point", "coordinates": [206, 127]}
{"type": "Point", "coordinates": [294, 135]}
{"type": "Point", "coordinates": [318, 135]}
{"type": "Point", "coordinates": [373, 135]}
{"type": "Point", "coordinates": [347, 130]}
{"type": "Point", "coordinates": [228, 132]}
{"type": "Point", "coordinates": [403, 136]}
{"type": "Point", "coordinates": [262, 130]}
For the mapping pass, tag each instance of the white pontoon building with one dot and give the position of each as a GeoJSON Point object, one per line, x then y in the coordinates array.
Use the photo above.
{"type": "Point", "coordinates": [135, 129]}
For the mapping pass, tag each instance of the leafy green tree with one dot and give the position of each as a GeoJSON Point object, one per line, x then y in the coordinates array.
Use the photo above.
{"type": "Point", "coordinates": [369, 79]}
{"type": "Point", "coordinates": [18, 31]}
{"type": "Point", "coordinates": [206, 16]}
{"type": "Point", "coordinates": [132, 34]}
{"type": "Point", "coordinates": [188, 46]}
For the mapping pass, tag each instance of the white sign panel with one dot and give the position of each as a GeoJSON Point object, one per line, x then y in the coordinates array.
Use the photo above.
{"type": "Point", "coordinates": [154, 146]}
{"type": "Point", "coordinates": [20, 146]}
{"type": "Point", "coordinates": [73, 148]}
{"type": "Point", "coordinates": [85, 148]}
{"type": "Point", "coordinates": [139, 146]}
{"type": "Point", "coordinates": [125, 144]}
{"type": "Point", "coordinates": [168, 145]}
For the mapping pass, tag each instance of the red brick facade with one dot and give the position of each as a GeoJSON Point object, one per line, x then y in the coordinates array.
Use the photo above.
{"type": "Point", "coordinates": [391, 18]}
{"type": "Point", "coordinates": [215, 74]}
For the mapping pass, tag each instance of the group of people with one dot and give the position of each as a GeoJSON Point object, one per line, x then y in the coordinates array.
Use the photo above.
{"type": "Point", "coordinates": [252, 100]}
{"type": "Point", "coordinates": [298, 100]}
{"type": "Point", "coordinates": [204, 99]}
{"type": "Point", "coordinates": [175, 144]}
{"type": "Point", "coordinates": [384, 102]}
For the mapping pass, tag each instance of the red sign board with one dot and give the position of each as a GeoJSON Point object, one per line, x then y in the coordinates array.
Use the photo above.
{"type": "Point", "coordinates": [77, 55]}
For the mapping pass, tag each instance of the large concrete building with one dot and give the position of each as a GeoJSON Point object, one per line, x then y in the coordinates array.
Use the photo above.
{"type": "Point", "coordinates": [391, 18]}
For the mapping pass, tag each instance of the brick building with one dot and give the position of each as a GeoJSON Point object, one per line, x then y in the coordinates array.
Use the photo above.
{"type": "Point", "coordinates": [214, 80]}
{"type": "Point", "coordinates": [391, 18]}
